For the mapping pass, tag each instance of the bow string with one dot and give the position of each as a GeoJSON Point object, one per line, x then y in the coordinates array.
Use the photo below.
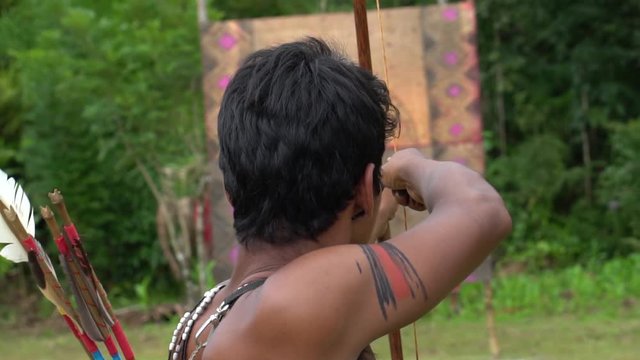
{"type": "Point", "coordinates": [364, 60]}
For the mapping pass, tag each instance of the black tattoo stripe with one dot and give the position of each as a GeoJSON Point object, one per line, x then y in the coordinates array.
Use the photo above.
{"type": "Point", "coordinates": [383, 286]}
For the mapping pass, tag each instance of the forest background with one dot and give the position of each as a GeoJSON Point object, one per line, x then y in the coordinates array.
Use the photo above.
{"type": "Point", "coordinates": [96, 95]}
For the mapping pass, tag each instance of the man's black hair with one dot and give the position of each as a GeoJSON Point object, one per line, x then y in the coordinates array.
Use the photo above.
{"type": "Point", "coordinates": [298, 125]}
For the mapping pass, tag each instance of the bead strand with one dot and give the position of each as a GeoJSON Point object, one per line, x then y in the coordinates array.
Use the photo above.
{"type": "Point", "coordinates": [179, 338]}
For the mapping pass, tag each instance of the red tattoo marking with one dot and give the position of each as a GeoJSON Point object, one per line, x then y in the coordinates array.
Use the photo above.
{"type": "Point", "coordinates": [399, 283]}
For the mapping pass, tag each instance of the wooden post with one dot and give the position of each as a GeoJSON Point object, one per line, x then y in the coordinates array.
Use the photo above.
{"type": "Point", "coordinates": [494, 347]}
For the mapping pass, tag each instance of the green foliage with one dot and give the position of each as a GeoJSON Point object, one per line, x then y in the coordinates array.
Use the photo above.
{"type": "Point", "coordinates": [610, 288]}
{"type": "Point", "coordinates": [235, 9]}
{"type": "Point", "coordinates": [559, 84]}
{"type": "Point", "coordinates": [105, 86]}
{"type": "Point", "coordinates": [534, 174]}
{"type": "Point", "coordinates": [240, 9]}
{"type": "Point", "coordinates": [10, 123]}
{"type": "Point", "coordinates": [620, 185]}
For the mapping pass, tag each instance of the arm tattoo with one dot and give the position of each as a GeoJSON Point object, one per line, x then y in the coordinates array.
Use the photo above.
{"type": "Point", "coordinates": [394, 276]}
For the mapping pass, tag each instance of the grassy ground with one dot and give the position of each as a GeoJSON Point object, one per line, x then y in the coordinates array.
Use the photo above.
{"type": "Point", "coordinates": [560, 337]}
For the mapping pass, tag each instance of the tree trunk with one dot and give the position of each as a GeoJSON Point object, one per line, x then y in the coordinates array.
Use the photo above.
{"type": "Point", "coordinates": [323, 6]}
{"type": "Point", "coordinates": [163, 239]}
{"type": "Point", "coordinates": [586, 145]}
{"type": "Point", "coordinates": [500, 111]}
{"type": "Point", "coordinates": [494, 347]}
{"type": "Point", "coordinates": [198, 214]}
{"type": "Point", "coordinates": [203, 18]}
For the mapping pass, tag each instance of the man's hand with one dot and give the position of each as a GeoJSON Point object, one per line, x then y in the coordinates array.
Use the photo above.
{"type": "Point", "coordinates": [398, 176]}
{"type": "Point", "coordinates": [386, 212]}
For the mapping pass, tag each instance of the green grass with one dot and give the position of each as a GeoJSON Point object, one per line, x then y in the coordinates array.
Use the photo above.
{"type": "Point", "coordinates": [557, 337]}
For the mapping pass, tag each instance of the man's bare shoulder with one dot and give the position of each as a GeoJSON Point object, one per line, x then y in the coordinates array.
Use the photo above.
{"type": "Point", "coordinates": [316, 281]}
{"type": "Point", "coordinates": [306, 300]}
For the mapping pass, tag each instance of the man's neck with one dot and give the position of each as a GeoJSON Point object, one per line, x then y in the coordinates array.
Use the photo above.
{"type": "Point", "coordinates": [261, 259]}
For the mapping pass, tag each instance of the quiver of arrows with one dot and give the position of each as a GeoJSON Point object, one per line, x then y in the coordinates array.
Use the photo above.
{"type": "Point", "coordinates": [92, 320]}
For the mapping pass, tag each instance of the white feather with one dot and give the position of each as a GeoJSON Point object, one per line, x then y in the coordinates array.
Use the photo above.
{"type": "Point", "coordinates": [12, 195]}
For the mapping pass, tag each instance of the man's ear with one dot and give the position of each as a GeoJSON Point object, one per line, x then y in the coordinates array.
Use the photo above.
{"type": "Point", "coordinates": [364, 201]}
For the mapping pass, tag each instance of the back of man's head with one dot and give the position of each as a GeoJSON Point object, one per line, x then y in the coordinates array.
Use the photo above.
{"type": "Point", "coordinates": [298, 125]}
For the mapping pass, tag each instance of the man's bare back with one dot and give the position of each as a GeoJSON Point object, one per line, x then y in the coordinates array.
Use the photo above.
{"type": "Point", "coordinates": [302, 134]}
{"type": "Point", "coordinates": [231, 339]}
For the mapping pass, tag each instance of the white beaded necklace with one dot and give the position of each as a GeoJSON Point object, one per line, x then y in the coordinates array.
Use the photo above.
{"type": "Point", "coordinates": [180, 334]}
{"type": "Point", "coordinates": [179, 340]}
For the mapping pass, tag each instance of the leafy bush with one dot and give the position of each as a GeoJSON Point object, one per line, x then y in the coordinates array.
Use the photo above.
{"type": "Point", "coordinates": [620, 185]}
{"type": "Point", "coordinates": [611, 288]}
{"type": "Point", "coordinates": [104, 87]}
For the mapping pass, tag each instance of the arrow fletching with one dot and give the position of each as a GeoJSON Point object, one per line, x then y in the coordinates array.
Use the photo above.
{"type": "Point", "coordinates": [13, 199]}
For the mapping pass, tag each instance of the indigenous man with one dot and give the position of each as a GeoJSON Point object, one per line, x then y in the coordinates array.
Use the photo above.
{"type": "Point", "coordinates": [302, 133]}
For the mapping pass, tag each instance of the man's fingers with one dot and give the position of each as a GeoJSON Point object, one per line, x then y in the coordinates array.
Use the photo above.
{"type": "Point", "coordinates": [402, 197]}
{"type": "Point", "coordinates": [418, 206]}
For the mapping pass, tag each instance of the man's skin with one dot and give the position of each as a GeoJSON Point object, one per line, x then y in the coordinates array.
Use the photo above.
{"type": "Point", "coordinates": [328, 299]}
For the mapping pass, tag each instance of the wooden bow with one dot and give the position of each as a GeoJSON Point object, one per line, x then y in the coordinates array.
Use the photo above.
{"type": "Point", "coordinates": [364, 59]}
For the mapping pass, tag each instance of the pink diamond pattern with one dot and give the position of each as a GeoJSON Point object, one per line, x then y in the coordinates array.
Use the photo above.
{"type": "Point", "coordinates": [223, 82]}
{"type": "Point", "coordinates": [227, 41]}
{"type": "Point", "coordinates": [456, 129]}
{"type": "Point", "coordinates": [451, 58]}
{"type": "Point", "coordinates": [450, 14]}
{"type": "Point", "coordinates": [454, 90]}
